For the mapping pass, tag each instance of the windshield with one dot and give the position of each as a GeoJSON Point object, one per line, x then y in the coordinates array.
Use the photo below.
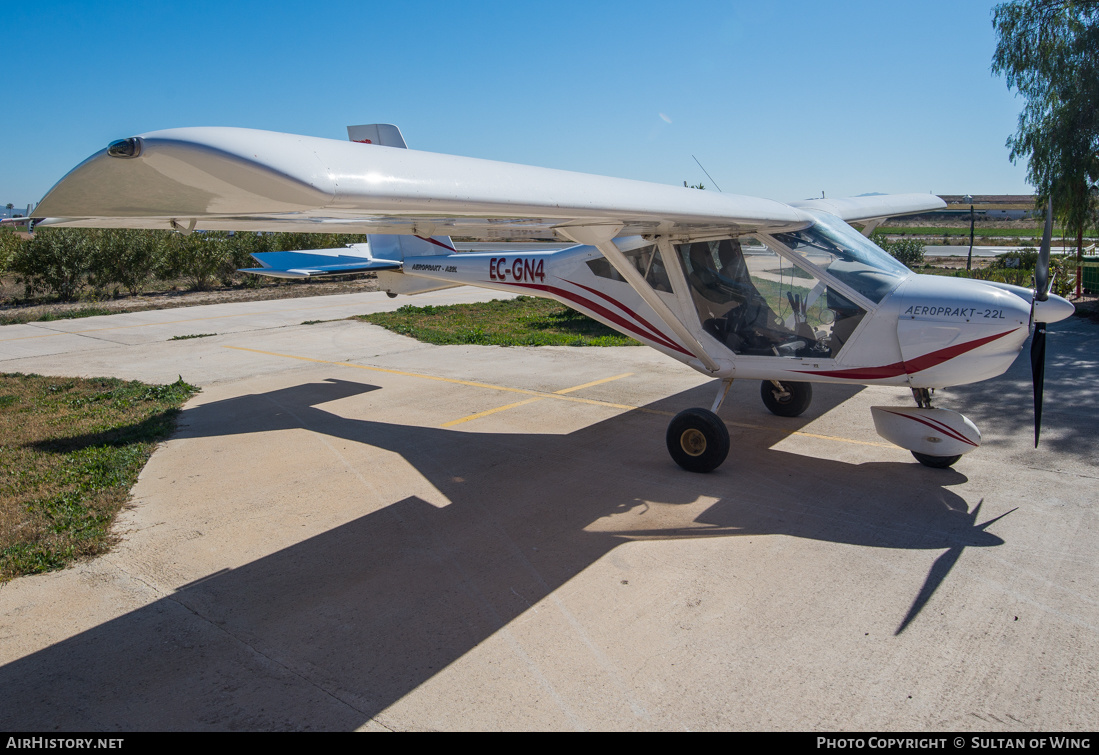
{"type": "Point", "coordinates": [838, 248]}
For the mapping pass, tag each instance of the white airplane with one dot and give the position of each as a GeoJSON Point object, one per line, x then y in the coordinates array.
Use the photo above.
{"type": "Point", "coordinates": [733, 286]}
{"type": "Point", "coordinates": [15, 220]}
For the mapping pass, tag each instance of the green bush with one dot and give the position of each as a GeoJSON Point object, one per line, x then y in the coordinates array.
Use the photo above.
{"type": "Point", "coordinates": [292, 242]}
{"type": "Point", "coordinates": [1025, 258]}
{"type": "Point", "coordinates": [55, 261]}
{"type": "Point", "coordinates": [242, 246]}
{"type": "Point", "coordinates": [1017, 268]}
{"type": "Point", "coordinates": [62, 262]}
{"type": "Point", "coordinates": [9, 244]}
{"type": "Point", "coordinates": [126, 257]}
{"type": "Point", "coordinates": [199, 257]}
{"type": "Point", "coordinates": [906, 251]}
{"type": "Point", "coordinates": [1062, 274]}
{"type": "Point", "coordinates": [1016, 277]}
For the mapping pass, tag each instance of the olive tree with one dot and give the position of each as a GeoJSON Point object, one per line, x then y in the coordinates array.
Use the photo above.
{"type": "Point", "coordinates": [1049, 51]}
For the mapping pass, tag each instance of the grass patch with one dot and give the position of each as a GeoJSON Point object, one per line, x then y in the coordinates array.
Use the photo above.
{"type": "Point", "coordinates": [524, 321]}
{"type": "Point", "coordinates": [193, 335]}
{"type": "Point", "coordinates": [70, 450]}
{"type": "Point", "coordinates": [72, 314]}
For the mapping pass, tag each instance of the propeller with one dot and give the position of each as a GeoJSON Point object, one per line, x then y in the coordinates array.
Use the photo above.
{"type": "Point", "coordinates": [1038, 343]}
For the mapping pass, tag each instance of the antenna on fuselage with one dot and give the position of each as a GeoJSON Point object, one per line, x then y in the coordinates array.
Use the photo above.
{"type": "Point", "coordinates": [706, 172]}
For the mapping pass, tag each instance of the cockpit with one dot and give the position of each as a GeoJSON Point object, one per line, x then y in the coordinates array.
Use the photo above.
{"type": "Point", "coordinates": [777, 295]}
{"type": "Point", "coordinates": [799, 294]}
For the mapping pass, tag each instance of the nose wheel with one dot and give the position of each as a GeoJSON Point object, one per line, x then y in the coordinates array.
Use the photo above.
{"type": "Point", "coordinates": [936, 462]}
{"type": "Point", "coordinates": [698, 440]}
{"type": "Point", "coordinates": [923, 400]}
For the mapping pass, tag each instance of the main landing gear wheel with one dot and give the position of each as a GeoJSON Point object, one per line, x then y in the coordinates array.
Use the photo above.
{"type": "Point", "coordinates": [788, 401]}
{"type": "Point", "coordinates": [936, 462]}
{"type": "Point", "coordinates": [698, 440]}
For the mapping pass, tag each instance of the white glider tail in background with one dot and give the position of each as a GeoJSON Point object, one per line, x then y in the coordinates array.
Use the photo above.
{"type": "Point", "coordinates": [733, 286]}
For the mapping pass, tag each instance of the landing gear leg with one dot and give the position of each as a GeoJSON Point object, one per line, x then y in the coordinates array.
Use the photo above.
{"type": "Point", "coordinates": [722, 392]}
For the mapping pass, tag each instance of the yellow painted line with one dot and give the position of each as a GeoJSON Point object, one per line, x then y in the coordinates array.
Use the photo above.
{"type": "Point", "coordinates": [846, 440]}
{"type": "Point", "coordinates": [44, 335]}
{"type": "Point", "coordinates": [746, 426]}
{"type": "Point", "coordinates": [456, 381]}
{"type": "Point", "coordinates": [594, 382]}
{"type": "Point", "coordinates": [561, 392]}
{"type": "Point", "coordinates": [559, 395]}
{"type": "Point", "coordinates": [487, 412]}
{"type": "Point", "coordinates": [165, 322]}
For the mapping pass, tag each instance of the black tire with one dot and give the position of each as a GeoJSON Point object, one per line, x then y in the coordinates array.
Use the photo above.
{"type": "Point", "coordinates": [798, 400]}
{"type": "Point", "coordinates": [936, 462]}
{"type": "Point", "coordinates": [698, 440]}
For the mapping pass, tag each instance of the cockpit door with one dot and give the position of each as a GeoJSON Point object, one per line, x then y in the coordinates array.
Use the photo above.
{"type": "Point", "coordinates": [756, 302]}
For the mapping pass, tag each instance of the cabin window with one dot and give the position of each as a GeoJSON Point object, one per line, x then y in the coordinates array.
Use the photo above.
{"type": "Point", "coordinates": [758, 303]}
{"type": "Point", "coordinates": [647, 261]}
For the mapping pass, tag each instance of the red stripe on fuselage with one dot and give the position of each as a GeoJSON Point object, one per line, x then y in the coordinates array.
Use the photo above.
{"type": "Point", "coordinates": [910, 367]}
{"type": "Point", "coordinates": [614, 317]}
{"type": "Point", "coordinates": [621, 306]}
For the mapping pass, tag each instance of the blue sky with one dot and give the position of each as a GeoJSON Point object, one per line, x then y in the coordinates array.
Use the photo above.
{"type": "Point", "coordinates": [776, 99]}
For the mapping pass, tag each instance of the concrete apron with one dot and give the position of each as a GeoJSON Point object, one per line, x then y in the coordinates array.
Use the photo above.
{"type": "Point", "coordinates": [355, 530]}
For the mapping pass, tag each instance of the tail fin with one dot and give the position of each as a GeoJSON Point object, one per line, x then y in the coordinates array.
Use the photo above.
{"type": "Point", "coordinates": [382, 134]}
{"type": "Point", "coordinates": [387, 246]}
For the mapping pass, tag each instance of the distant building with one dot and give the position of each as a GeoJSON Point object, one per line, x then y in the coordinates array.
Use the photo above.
{"type": "Point", "coordinates": [990, 206]}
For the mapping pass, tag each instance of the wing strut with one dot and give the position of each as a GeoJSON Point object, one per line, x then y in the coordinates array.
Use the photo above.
{"type": "Point", "coordinates": [872, 226]}
{"type": "Point", "coordinates": [646, 292]}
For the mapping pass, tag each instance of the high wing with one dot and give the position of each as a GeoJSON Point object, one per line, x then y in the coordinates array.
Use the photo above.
{"type": "Point", "coordinates": [249, 180]}
{"type": "Point", "coordinates": [875, 207]}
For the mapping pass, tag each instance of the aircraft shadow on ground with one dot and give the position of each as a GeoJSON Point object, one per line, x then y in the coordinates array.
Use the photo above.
{"type": "Point", "coordinates": [366, 612]}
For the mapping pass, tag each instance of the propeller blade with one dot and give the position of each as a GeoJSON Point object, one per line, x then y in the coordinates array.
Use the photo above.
{"type": "Point", "coordinates": [1038, 342]}
{"type": "Point", "coordinates": [1041, 270]}
{"type": "Point", "coordinates": [1038, 370]}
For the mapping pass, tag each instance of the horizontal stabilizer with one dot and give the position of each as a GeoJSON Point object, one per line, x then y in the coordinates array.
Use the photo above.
{"type": "Point", "coordinates": [316, 263]}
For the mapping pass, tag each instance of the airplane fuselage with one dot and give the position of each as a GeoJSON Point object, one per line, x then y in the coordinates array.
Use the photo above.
{"type": "Point", "coordinates": [928, 332]}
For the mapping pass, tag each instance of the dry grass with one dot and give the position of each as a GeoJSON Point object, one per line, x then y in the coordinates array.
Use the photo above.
{"type": "Point", "coordinates": [70, 450]}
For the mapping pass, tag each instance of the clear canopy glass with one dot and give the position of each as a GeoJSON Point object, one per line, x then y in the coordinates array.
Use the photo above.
{"type": "Point", "coordinates": [852, 258]}
{"type": "Point", "coordinates": [757, 303]}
